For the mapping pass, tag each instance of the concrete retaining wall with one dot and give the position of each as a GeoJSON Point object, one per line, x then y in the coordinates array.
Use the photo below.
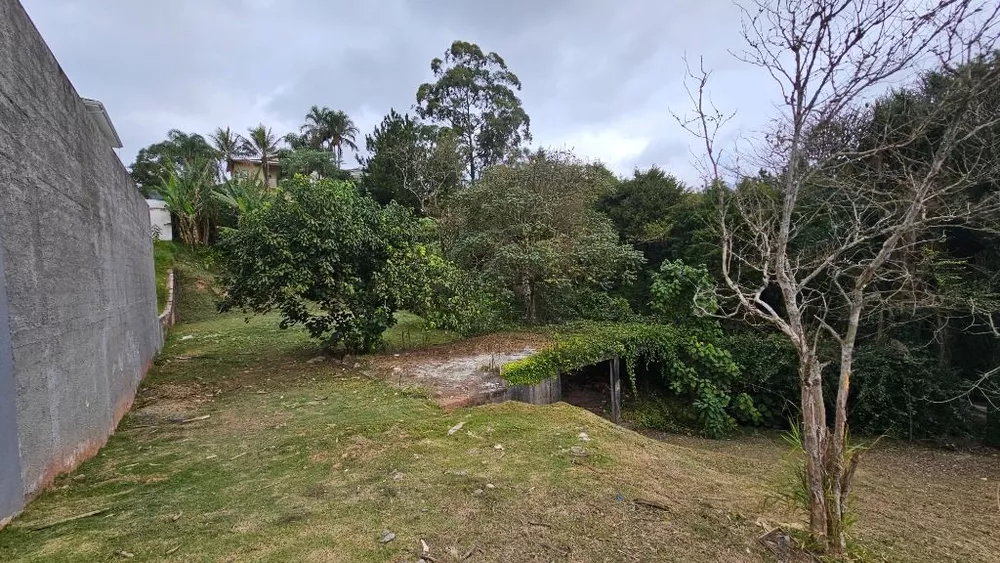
{"type": "Point", "coordinates": [78, 319]}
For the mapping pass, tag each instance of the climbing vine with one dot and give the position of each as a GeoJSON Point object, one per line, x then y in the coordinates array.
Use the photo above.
{"type": "Point", "coordinates": [688, 361]}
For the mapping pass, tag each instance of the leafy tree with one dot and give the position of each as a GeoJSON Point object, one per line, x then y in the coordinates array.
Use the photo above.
{"type": "Point", "coordinates": [659, 216]}
{"type": "Point", "coordinates": [318, 253]}
{"type": "Point", "coordinates": [411, 163]}
{"type": "Point", "coordinates": [263, 144]}
{"type": "Point", "coordinates": [156, 162]}
{"type": "Point", "coordinates": [473, 95]}
{"type": "Point", "coordinates": [531, 226]}
{"type": "Point", "coordinates": [307, 160]}
{"type": "Point", "coordinates": [340, 264]}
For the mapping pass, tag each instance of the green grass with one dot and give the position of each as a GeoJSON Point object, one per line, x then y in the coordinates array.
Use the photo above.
{"type": "Point", "coordinates": [410, 331]}
{"type": "Point", "coordinates": [163, 260]}
{"type": "Point", "coordinates": [304, 460]}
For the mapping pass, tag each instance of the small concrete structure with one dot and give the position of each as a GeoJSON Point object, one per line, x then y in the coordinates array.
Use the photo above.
{"type": "Point", "coordinates": [159, 219]}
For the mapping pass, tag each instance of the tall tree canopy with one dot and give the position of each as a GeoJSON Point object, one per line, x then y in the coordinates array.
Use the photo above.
{"type": "Point", "coordinates": [410, 162]}
{"type": "Point", "coordinates": [532, 227]}
{"type": "Point", "coordinates": [328, 129]}
{"type": "Point", "coordinates": [155, 163]}
{"type": "Point", "coordinates": [473, 94]}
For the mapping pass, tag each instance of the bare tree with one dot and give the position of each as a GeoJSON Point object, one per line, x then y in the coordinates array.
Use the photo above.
{"type": "Point", "coordinates": [848, 225]}
{"type": "Point", "coordinates": [429, 166]}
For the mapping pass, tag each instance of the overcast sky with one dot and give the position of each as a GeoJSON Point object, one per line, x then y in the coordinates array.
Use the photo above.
{"type": "Point", "coordinates": [600, 76]}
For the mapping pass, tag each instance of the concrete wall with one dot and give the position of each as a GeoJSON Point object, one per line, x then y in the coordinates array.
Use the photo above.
{"type": "Point", "coordinates": [159, 219]}
{"type": "Point", "coordinates": [77, 271]}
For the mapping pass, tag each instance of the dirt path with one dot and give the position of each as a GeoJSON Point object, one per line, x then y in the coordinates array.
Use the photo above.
{"type": "Point", "coordinates": [462, 373]}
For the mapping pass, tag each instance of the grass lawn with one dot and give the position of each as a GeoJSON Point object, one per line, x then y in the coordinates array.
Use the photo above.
{"type": "Point", "coordinates": [305, 460]}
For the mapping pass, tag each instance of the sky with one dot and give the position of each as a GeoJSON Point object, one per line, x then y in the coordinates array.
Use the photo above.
{"type": "Point", "coordinates": [600, 77]}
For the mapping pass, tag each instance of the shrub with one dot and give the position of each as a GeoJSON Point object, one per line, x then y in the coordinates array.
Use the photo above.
{"type": "Point", "coordinates": [318, 253]}
{"type": "Point", "coordinates": [691, 366]}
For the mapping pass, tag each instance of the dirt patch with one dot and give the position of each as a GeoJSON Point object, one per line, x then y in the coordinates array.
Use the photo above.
{"type": "Point", "coordinates": [462, 373]}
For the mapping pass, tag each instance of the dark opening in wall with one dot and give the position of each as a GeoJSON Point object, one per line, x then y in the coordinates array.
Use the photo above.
{"type": "Point", "coordinates": [589, 388]}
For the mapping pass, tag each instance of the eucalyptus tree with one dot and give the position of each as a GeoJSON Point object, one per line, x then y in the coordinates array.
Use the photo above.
{"type": "Point", "coordinates": [474, 96]}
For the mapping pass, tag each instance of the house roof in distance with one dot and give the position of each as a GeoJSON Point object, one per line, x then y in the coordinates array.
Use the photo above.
{"type": "Point", "coordinates": [97, 112]}
{"type": "Point", "coordinates": [256, 161]}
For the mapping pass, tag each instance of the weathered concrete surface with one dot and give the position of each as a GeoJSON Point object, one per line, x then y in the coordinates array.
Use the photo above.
{"type": "Point", "coordinates": [77, 266]}
{"type": "Point", "coordinates": [11, 490]}
{"type": "Point", "coordinates": [544, 392]}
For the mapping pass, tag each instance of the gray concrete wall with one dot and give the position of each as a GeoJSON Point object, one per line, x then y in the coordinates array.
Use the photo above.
{"type": "Point", "coordinates": [77, 266]}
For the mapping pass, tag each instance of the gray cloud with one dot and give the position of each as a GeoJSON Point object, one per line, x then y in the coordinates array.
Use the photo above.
{"type": "Point", "coordinates": [600, 76]}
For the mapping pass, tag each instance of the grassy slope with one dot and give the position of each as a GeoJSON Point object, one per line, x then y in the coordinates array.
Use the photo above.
{"type": "Point", "coordinates": [163, 260]}
{"type": "Point", "coordinates": [305, 461]}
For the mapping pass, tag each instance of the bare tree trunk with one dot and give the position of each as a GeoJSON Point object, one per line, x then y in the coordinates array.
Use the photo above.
{"type": "Point", "coordinates": [532, 306]}
{"type": "Point", "coordinates": [814, 437]}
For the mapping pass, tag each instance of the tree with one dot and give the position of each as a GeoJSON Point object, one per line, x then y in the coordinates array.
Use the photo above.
{"type": "Point", "coordinates": [153, 164]}
{"type": "Point", "coordinates": [473, 95]}
{"type": "Point", "coordinates": [307, 160]}
{"type": "Point", "coordinates": [262, 144]}
{"type": "Point", "coordinates": [318, 253]}
{"type": "Point", "coordinates": [189, 196]}
{"type": "Point", "coordinates": [411, 163]}
{"type": "Point", "coordinates": [331, 130]}
{"type": "Point", "coordinates": [228, 145]}
{"type": "Point", "coordinates": [658, 215]}
{"type": "Point", "coordinates": [531, 227]}
{"type": "Point", "coordinates": [849, 227]}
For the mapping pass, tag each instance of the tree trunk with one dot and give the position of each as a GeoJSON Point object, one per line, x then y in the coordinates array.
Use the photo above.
{"type": "Point", "coordinates": [532, 306]}
{"type": "Point", "coordinates": [814, 438]}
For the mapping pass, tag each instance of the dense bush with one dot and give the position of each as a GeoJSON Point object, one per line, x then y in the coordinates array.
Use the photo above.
{"type": "Point", "coordinates": [318, 253]}
{"type": "Point", "coordinates": [896, 390]}
{"type": "Point", "coordinates": [690, 365]}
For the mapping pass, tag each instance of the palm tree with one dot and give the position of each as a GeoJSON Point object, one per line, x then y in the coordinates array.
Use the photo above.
{"type": "Point", "coordinates": [342, 132]}
{"type": "Point", "coordinates": [228, 144]}
{"type": "Point", "coordinates": [316, 129]}
{"type": "Point", "coordinates": [329, 129]}
{"type": "Point", "coordinates": [262, 144]}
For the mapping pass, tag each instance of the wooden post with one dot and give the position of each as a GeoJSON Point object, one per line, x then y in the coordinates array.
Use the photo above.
{"type": "Point", "coordinates": [616, 392]}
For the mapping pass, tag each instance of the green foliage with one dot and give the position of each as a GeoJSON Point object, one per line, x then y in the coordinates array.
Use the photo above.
{"type": "Point", "coordinates": [306, 160]}
{"type": "Point", "coordinates": [189, 196]}
{"type": "Point", "coordinates": [531, 227]}
{"type": "Point", "coordinates": [446, 296]}
{"type": "Point", "coordinates": [904, 392]}
{"type": "Point", "coordinates": [411, 163]}
{"type": "Point", "coordinates": [153, 164]}
{"type": "Point", "coordinates": [473, 95]}
{"type": "Point", "coordinates": [330, 130]}
{"type": "Point", "coordinates": [768, 374]}
{"type": "Point", "coordinates": [338, 263]}
{"type": "Point", "coordinates": [690, 364]}
{"type": "Point", "coordinates": [683, 294]}
{"type": "Point", "coordinates": [319, 253]}
{"type": "Point", "coordinates": [660, 217]}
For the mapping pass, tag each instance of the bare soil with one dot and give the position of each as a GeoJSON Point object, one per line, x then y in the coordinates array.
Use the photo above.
{"type": "Point", "coordinates": [461, 373]}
